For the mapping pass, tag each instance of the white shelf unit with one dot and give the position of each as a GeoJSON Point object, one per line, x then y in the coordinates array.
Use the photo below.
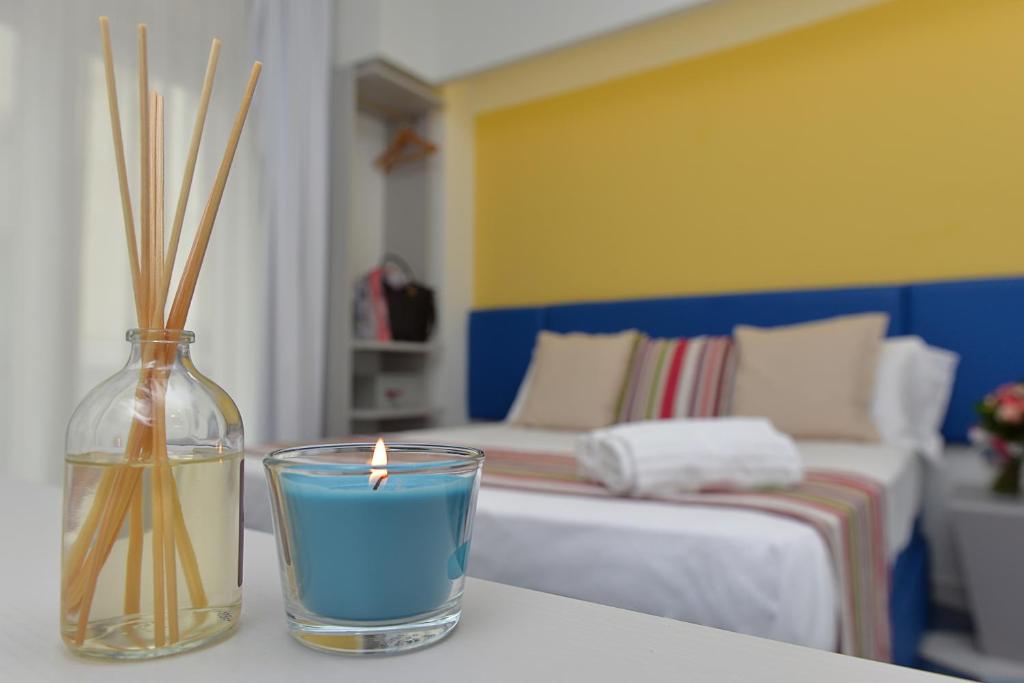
{"type": "Point", "coordinates": [378, 367]}
{"type": "Point", "coordinates": [392, 346]}
{"type": "Point", "coordinates": [370, 102]}
{"type": "Point", "coordinates": [381, 414]}
{"type": "Point", "coordinates": [389, 93]}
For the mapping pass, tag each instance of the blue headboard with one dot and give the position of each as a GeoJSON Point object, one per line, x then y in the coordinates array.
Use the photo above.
{"type": "Point", "coordinates": [977, 319]}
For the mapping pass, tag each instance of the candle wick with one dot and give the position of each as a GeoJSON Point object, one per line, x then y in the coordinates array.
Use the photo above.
{"type": "Point", "coordinates": [376, 484]}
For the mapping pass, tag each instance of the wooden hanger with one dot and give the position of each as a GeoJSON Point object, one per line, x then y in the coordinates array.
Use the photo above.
{"type": "Point", "coordinates": [407, 146]}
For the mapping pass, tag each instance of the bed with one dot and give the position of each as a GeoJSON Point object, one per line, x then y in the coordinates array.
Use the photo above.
{"type": "Point", "coordinates": [742, 570]}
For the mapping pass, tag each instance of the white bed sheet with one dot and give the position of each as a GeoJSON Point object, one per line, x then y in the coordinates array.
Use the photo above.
{"type": "Point", "coordinates": [745, 571]}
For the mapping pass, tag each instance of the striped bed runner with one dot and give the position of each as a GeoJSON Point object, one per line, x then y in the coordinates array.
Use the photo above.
{"type": "Point", "coordinates": [845, 509]}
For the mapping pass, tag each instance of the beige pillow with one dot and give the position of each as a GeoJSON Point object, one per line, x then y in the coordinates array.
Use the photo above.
{"type": "Point", "coordinates": [814, 380]}
{"type": "Point", "coordinates": [577, 379]}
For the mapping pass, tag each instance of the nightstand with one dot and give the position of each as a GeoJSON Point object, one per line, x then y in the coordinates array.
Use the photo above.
{"type": "Point", "coordinates": [988, 531]}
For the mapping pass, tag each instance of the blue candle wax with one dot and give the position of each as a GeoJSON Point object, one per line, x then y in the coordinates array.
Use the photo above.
{"type": "Point", "coordinates": [365, 555]}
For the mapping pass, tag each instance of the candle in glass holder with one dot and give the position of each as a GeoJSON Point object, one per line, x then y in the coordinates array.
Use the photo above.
{"type": "Point", "coordinates": [377, 550]}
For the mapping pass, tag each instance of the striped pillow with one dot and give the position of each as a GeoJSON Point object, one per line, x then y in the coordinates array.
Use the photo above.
{"type": "Point", "coordinates": [679, 378]}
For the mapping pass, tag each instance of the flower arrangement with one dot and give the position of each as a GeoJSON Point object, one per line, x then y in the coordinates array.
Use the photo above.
{"type": "Point", "coordinates": [1000, 431]}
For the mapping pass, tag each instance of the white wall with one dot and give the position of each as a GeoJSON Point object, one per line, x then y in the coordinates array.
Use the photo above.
{"type": "Point", "coordinates": [357, 31]}
{"type": "Point", "coordinates": [474, 35]}
{"type": "Point", "coordinates": [440, 40]}
{"type": "Point", "coordinates": [411, 36]}
{"type": "Point", "coordinates": [452, 266]}
{"type": "Point", "coordinates": [366, 241]}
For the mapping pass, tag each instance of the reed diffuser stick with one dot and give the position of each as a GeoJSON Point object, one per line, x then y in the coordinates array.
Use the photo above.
{"type": "Point", "coordinates": [161, 461]}
{"type": "Point", "coordinates": [77, 554]}
{"type": "Point", "coordinates": [190, 164]}
{"type": "Point", "coordinates": [74, 559]}
{"type": "Point", "coordinates": [157, 267]}
{"type": "Point", "coordinates": [122, 172]}
{"type": "Point", "coordinates": [162, 465]}
{"type": "Point", "coordinates": [133, 572]}
{"type": "Point", "coordinates": [156, 481]}
{"type": "Point", "coordinates": [152, 244]}
{"type": "Point", "coordinates": [183, 542]}
{"type": "Point", "coordinates": [115, 507]}
{"type": "Point", "coordinates": [144, 190]}
{"type": "Point", "coordinates": [151, 257]}
{"type": "Point", "coordinates": [187, 284]}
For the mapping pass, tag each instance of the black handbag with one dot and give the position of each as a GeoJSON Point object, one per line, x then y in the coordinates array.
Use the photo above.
{"type": "Point", "coordinates": [411, 309]}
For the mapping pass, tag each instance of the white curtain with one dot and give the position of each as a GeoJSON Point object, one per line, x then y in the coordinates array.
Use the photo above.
{"type": "Point", "coordinates": [65, 292]}
{"type": "Point", "coordinates": [294, 40]}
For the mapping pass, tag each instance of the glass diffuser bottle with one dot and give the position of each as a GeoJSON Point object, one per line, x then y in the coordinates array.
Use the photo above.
{"type": "Point", "coordinates": [151, 561]}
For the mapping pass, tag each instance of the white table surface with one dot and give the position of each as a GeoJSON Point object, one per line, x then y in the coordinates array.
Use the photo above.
{"type": "Point", "coordinates": [506, 634]}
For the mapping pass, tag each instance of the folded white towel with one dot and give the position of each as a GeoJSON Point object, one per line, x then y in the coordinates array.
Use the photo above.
{"type": "Point", "coordinates": [665, 456]}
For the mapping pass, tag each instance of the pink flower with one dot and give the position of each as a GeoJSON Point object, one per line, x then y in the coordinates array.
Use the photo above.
{"type": "Point", "coordinates": [1008, 392]}
{"type": "Point", "coordinates": [1010, 412]}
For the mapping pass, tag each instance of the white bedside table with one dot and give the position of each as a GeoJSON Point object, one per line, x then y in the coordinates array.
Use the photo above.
{"type": "Point", "coordinates": [960, 465]}
{"type": "Point", "coordinates": [961, 468]}
{"type": "Point", "coordinates": [989, 534]}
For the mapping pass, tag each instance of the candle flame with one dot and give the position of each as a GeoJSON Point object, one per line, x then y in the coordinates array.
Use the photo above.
{"type": "Point", "coordinates": [378, 465]}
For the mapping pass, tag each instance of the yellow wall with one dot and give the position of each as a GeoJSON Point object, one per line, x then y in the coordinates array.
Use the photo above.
{"type": "Point", "coordinates": [887, 145]}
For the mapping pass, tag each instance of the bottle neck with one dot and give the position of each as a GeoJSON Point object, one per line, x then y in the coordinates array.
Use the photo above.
{"type": "Point", "coordinates": [159, 348]}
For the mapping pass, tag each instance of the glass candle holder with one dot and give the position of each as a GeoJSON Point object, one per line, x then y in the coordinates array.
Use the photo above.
{"type": "Point", "coordinates": [373, 555]}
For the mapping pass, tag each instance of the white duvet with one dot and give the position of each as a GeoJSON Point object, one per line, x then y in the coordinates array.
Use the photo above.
{"type": "Point", "coordinates": [745, 571]}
